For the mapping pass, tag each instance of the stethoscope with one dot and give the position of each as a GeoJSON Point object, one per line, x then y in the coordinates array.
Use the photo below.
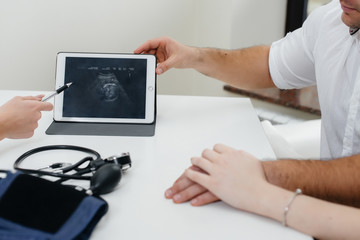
{"type": "Point", "coordinates": [105, 174]}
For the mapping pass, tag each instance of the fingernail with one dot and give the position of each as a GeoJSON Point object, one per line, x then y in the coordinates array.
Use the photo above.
{"type": "Point", "coordinates": [194, 202]}
{"type": "Point", "coordinates": [159, 71]}
{"type": "Point", "coordinates": [168, 193]}
{"type": "Point", "coordinates": [177, 197]}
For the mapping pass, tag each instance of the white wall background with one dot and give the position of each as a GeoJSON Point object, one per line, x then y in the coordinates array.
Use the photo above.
{"type": "Point", "coordinates": [32, 32]}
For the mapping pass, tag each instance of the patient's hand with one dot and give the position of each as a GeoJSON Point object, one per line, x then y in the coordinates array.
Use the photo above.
{"type": "Point", "coordinates": [235, 176]}
{"type": "Point", "coordinates": [186, 190]}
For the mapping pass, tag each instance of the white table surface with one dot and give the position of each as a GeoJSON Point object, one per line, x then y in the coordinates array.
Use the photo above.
{"type": "Point", "coordinates": [185, 126]}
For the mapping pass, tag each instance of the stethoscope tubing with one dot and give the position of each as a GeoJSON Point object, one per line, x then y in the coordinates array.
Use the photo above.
{"type": "Point", "coordinates": [63, 176]}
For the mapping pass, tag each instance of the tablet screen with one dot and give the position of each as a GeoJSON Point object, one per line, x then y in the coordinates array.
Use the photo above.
{"type": "Point", "coordinates": [105, 89]}
{"type": "Point", "coordinates": [115, 88]}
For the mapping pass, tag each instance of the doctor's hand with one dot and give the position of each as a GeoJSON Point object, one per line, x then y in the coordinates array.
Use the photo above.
{"type": "Point", "coordinates": [19, 116]}
{"type": "Point", "coordinates": [184, 189]}
{"type": "Point", "coordinates": [169, 53]}
{"type": "Point", "coordinates": [236, 177]}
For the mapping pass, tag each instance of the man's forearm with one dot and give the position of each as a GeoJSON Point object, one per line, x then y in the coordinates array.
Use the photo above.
{"type": "Point", "coordinates": [245, 68]}
{"type": "Point", "coordinates": [333, 180]}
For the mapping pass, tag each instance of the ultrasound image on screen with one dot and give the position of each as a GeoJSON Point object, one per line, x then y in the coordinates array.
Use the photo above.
{"type": "Point", "coordinates": [105, 88]}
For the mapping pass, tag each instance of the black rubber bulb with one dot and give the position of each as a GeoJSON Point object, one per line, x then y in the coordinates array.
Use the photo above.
{"type": "Point", "coordinates": [105, 179]}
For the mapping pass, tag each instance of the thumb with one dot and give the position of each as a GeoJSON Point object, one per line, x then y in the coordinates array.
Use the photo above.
{"type": "Point", "coordinates": [45, 106]}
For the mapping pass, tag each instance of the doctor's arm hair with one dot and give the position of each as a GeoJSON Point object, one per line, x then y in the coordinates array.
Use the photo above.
{"type": "Point", "coordinates": [333, 180]}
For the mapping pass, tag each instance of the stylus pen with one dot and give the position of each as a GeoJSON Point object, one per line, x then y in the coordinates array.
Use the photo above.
{"type": "Point", "coordinates": [59, 90]}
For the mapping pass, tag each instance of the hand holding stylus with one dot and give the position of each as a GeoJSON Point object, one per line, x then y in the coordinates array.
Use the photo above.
{"type": "Point", "coordinates": [19, 116]}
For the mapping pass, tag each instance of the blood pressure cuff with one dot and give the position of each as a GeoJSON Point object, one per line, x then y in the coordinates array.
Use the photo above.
{"type": "Point", "coordinates": [35, 208]}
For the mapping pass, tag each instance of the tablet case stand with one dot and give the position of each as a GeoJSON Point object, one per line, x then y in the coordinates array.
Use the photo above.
{"type": "Point", "coordinates": [101, 129]}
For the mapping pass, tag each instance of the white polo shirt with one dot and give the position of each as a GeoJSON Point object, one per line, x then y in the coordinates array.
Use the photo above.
{"type": "Point", "coordinates": [323, 53]}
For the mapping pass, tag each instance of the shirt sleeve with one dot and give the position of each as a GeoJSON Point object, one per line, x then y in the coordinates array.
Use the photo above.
{"type": "Point", "coordinates": [291, 59]}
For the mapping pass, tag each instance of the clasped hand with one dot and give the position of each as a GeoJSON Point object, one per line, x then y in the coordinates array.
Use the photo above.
{"type": "Point", "coordinates": [234, 176]}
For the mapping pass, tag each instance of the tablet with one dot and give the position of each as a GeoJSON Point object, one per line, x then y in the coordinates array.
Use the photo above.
{"type": "Point", "coordinates": [106, 88]}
